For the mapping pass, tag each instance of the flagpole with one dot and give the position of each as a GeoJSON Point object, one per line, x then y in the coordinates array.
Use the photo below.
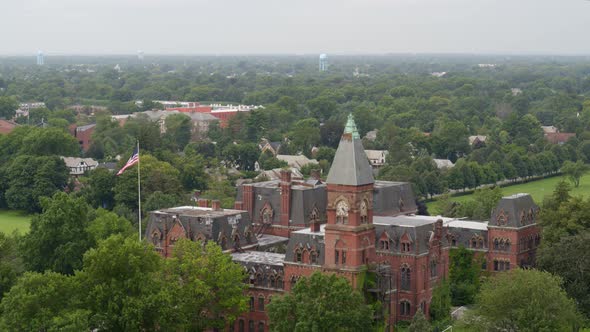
{"type": "Point", "coordinates": [139, 188]}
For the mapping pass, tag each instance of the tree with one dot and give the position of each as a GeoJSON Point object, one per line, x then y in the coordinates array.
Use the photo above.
{"type": "Point", "coordinates": [121, 287]}
{"type": "Point", "coordinates": [57, 238]}
{"type": "Point", "coordinates": [440, 305]}
{"type": "Point", "coordinates": [526, 300]}
{"type": "Point", "coordinates": [242, 155]}
{"type": "Point", "coordinates": [178, 131]}
{"type": "Point", "coordinates": [574, 171]}
{"type": "Point", "coordinates": [39, 302]}
{"type": "Point", "coordinates": [464, 271]}
{"type": "Point", "coordinates": [572, 267]}
{"type": "Point", "coordinates": [107, 223]}
{"type": "Point", "coordinates": [450, 138]}
{"type": "Point", "coordinates": [336, 306]}
{"type": "Point", "coordinates": [156, 175]}
{"type": "Point", "coordinates": [419, 323]}
{"type": "Point", "coordinates": [206, 286]}
{"type": "Point", "coordinates": [30, 178]}
{"type": "Point", "coordinates": [50, 141]}
{"type": "Point", "coordinates": [11, 265]}
{"type": "Point", "coordinates": [98, 188]}
{"type": "Point", "coordinates": [8, 106]}
{"type": "Point", "coordinates": [306, 134]}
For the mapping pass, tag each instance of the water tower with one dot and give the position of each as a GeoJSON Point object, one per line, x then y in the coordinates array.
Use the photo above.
{"type": "Point", "coordinates": [323, 62]}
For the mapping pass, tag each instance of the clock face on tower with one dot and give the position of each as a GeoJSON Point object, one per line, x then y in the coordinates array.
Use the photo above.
{"type": "Point", "coordinates": [342, 209]}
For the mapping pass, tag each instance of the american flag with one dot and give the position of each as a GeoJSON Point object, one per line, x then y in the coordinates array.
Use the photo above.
{"type": "Point", "coordinates": [134, 159]}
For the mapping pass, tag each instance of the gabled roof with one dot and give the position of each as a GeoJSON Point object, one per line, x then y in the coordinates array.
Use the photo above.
{"type": "Point", "coordinates": [351, 165]}
{"type": "Point", "coordinates": [514, 211]}
{"type": "Point", "coordinates": [296, 161]}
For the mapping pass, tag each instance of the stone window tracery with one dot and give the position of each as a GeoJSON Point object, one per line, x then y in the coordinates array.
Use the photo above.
{"type": "Point", "coordinates": [156, 238]}
{"type": "Point", "coordinates": [406, 277]}
{"type": "Point", "coordinates": [364, 212]}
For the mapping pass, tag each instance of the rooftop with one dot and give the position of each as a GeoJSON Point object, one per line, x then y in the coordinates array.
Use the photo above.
{"type": "Point", "coordinates": [467, 224]}
{"type": "Point", "coordinates": [308, 231]}
{"type": "Point", "coordinates": [261, 257]}
{"type": "Point", "coordinates": [408, 221]}
{"type": "Point", "coordinates": [197, 211]}
{"type": "Point", "coordinates": [267, 239]}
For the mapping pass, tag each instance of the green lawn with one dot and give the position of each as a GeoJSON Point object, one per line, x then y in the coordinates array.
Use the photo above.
{"type": "Point", "coordinates": [14, 220]}
{"type": "Point", "coordinates": [538, 189]}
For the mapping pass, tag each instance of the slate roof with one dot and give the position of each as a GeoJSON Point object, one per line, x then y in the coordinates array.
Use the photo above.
{"type": "Point", "coordinates": [517, 210]}
{"type": "Point", "coordinates": [296, 161]}
{"type": "Point", "coordinates": [350, 166]}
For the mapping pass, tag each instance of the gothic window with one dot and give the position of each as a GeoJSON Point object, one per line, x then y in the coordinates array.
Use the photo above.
{"type": "Point", "coordinates": [241, 325]}
{"type": "Point", "coordinates": [267, 214]}
{"type": "Point", "coordinates": [502, 218]}
{"type": "Point", "coordinates": [496, 244]}
{"type": "Point", "coordinates": [251, 303]}
{"type": "Point", "coordinates": [364, 212]}
{"type": "Point", "coordinates": [293, 281]}
{"type": "Point", "coordinates": [280, 284]}
{"type": "Point", "coordinates": [251, 326]}
{"type": "Point", "coordinates": [336, 257]}
{"type": "Point", "coordinates": [404, 308]}
{"type": "Point", "coordinates": [384, 244]}
{"type": "Point", "coordinates": [480, 242]}
{"type": "Point", "coordinates": [314, 216]}
{"type": "Point", "coordinates": [406, 247]}
{"type": "Point", "coordinates": [313, 257]}
{"type": "Point", "coordinates": [156, 238]}
{"type": "Point", "coordinates": [343, 257]}
{"type": "Point", "coordinates": [261, 304]}
{"type": "Point", "coordinates": [298, 255]}
{"type": "Point", "coordinates": [453, 241]}
{"type": "Point", "coordinates": [405, 277]}
{"type": "Point", "coordinates": [473, 242]}
{"type": "Point", "coordinates": [433, 268]}
{"type": "Point", "coordinates": [342, 212]}
{"type": "Point", "coordinates": [260, 326]}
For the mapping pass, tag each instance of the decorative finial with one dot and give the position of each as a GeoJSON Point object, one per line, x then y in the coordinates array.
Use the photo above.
{"type": "Point", "coordinates": [351, 127]}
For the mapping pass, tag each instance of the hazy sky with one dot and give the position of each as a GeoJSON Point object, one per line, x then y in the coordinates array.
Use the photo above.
{"type": "Point", "coordinates": [294, 26]}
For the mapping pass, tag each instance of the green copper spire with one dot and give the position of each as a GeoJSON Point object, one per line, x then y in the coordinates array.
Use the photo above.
{"type": "Point", "coordinates": [351, 127]}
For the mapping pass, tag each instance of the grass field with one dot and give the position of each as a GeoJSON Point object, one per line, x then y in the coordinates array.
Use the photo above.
{"type": "Point", "coordinates": [538, 189]}
{"type": "Point", "coordinates": [14, 220]}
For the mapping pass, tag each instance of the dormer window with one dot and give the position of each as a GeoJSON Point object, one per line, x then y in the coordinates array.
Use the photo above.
{"type": "Point", "coordinates": [384, 244]}
{"type": "Point", "coordinates": [342, 212]}
{"type": "Point", "coordinates": [406, 247]}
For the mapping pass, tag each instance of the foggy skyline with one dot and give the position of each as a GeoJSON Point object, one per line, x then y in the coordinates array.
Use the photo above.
{"type": "Point", "coordinates": [294, 27]}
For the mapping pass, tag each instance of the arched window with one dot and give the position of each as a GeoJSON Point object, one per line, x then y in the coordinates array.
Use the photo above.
{"type": "Point", "coordinates": [251, 303]}
{"type": "Point", "coordinates": [384, 244]}
{"type": "Point", "coordinates": [241, 325]}
{"type": "Point", "coordinates": [313, 257]}
{"type": "Point", "coordinates": [260, 326]}
{"type": "Point", "coordinates": [298, 255]}
{"type": "Point", "coordinates": [342, 212]}
{"type": "Point", "coordinates": [364, 212]}
{"type": "Point", "coordinates": [405, 308]}
{"type": "Point", "coordinates": [406, 247]}
{"type": "Point", "coordinates": [267, 215]}
{"type": "Point", "coordinates": [314, 216]}
{"type": "Point", "coordinates": [156, 238]}
{"type": "Point", "coordinates": [496, 244]}
{"type": "Point", "coordinates": [433, 268]}
{"type": "Point", "coordinates": [260, 303]}
{"type": "Point", "coordinates": [405, 277]}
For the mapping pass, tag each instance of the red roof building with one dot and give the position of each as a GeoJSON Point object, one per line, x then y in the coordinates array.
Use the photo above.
{"type": "Point", "coordinates": [558, 138]}
{"type": "Point", "coordinates": [6, 126]}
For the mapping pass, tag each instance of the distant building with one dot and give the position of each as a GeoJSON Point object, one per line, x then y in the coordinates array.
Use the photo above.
{"type": "Point", "coordinates": [79, 166]}
{"type": "Point", "coordinates": [438, 73]}
{"type": "Point", "coordinates": [7, 126]}
{"type": "Point", "coordinates": [296, 161]}
{"type": "Point", "coordinates": [559, 138]}
{"type": "Point", "coordinates": [516, 91]}
{"type": "Point", "coordinates": [323, 62]}
{"type": "Point", "coordinates": [371, 135]}
{"type": "Point", "coordinates": [275, 174]}
{"type": "Point", "coordinates": [200, 121]}
{"type": "Point", "coordinates": [272, 147]}
{"type": "Point", "coordinates": [443, 163]}
{"type": "Point", "coordinates": [477, 141]}
{"type": "Point", "coordinates": [140, 55]}
{"type": "Point", "coordinates": [83, 134]}
{"type": "Point", "coordinates": [40, 59]}
{"type": "Point", "coordinates": [549, 129]}
{"type": "Point", "coordinates": [377, 157]}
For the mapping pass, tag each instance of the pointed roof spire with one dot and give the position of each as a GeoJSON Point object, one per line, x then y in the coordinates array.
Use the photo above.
{"type": "Point", "coordinates": [350, 127]}
{"type": "Point", "coordinates": [350, 166]}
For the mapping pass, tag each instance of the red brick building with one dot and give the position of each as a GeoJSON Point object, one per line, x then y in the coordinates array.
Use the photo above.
{"type": "Point", "coordinates": [349, 225]}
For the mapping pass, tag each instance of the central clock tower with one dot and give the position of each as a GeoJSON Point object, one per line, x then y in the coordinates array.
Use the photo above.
{"type": "Point", "coordinates": [349, 232]}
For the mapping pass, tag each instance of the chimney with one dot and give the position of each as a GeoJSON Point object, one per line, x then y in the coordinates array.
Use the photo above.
{"type": "Point", "coordinates": [202, 202]}
{"type": "Point", "coordinates": [315, 226]}
{"type": "Point", "coordinates": [216, 205]}
{"type": "Point", "coordinates": [285, 196]}
{"type": "Point", "coordinates": [315, 174]}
